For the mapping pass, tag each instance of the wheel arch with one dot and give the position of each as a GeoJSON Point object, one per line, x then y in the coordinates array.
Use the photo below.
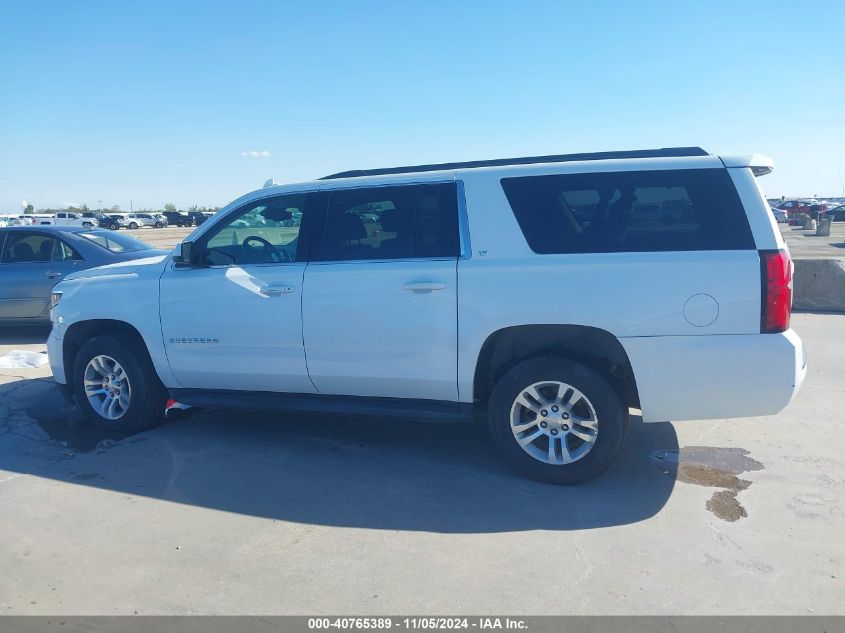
{"type": "Point", "coordinates": [81, 331]}
{"type": "Point", "coordinates": [597, 348]}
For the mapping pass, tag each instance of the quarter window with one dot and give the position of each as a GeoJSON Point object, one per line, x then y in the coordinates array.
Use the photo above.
{"type": "Point", "coordinates": [646, 211]}
{"type": "Point", "coordinates": [64, 252]}
{"type": "Point", "coordinates": [402, 222]}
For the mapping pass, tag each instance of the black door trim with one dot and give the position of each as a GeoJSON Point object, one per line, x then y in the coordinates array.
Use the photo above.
{"type": "Point", "coordinates": [405, 408]}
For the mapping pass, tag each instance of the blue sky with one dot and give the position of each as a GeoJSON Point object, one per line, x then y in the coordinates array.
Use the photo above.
{"type": "Point", "coordinates": [159, 101]}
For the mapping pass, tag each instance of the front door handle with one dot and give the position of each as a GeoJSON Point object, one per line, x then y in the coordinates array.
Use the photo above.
{"type": "Point", "coordinates": [52, 274]}
{"type": "Point", "coordinates": [424, 286]}
{"type": "Point", "coordinates": [276, 291]}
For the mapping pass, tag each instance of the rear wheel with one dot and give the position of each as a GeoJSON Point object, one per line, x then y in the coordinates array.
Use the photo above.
{"type": "Point", "coordinates": [116, 386]}
{"type": "Point", "coordinates": [557, 420]}
{"type": "Point", "coordinates": [88, 225]}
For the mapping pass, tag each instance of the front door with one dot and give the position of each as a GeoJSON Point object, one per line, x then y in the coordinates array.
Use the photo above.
{"type": "Point", "coordinates": [234, 321]}
{"type": "Point", "coordinates": [380, 301]}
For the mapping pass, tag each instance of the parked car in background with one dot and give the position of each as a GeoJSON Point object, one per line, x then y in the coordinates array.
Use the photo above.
{"type": "Point", "coordinates": [198, 217]}
{"type": "Point", "coordinates": [118, 221]}
{"type": "Point", "coordinates": [796, 207]}
{"type": "Point", "coordinates": [836, 214]}
{"type": "Point", "coordinates": [178, 218]}
{"type": "Point", "coordinates": [138, 220]}
{"type": "Point", "coordinates": [111, 222]}
{"type": "Point", "coordinates": [672, 294]}
{"type": "Point", "coordinates": [33, 259]}
{"type": "Point", "coordinates": [68, 218]}
{"type": "Point", "coordinates": [817, 210]}
{"type": "Point", "coordinates": [780, 215]}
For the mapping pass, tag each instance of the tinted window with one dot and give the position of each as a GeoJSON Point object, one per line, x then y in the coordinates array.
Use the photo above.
{"type": "Point", "coordinates": [115, 242]}
{"type": "Point", "coordinates": [411, 221]}
{"type": "Point", "coordinates": [681, 210]}
{"type": "Point", "coordinates": [64, 252]}
{"type": "Point", "coordinates": [262, 232]}
{"type": "Point", "coordinates": [27, 247]}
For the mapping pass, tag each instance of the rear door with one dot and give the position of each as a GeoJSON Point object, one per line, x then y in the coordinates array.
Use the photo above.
{"type": "Point", "coordinates": [380, 300]}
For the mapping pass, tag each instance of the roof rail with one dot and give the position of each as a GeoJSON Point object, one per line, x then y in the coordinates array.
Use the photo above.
{"type": "Point", "coordinates": [525, 160]}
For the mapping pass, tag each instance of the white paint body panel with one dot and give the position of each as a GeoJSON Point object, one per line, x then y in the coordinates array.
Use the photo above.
{"type": "Point", "coordinates": [366, 335]}
{"type": "Point", "coordinates": [126, 291]}
{"type": "Point", "coordinates": [626, 294]}
{"type": "Point", "coordinates": [221, 332]}
{"type": "Point", "coordinates": [710, 377]}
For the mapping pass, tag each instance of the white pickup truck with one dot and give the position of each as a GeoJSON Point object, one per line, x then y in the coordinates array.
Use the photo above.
{"type": "Point", "coordinates": [550, 294]}
{"type": "Point", "coordinates": [67, 218]}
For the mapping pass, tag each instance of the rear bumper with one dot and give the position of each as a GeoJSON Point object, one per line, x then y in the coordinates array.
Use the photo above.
{"type": "Point", "coordinates": [714, 377]}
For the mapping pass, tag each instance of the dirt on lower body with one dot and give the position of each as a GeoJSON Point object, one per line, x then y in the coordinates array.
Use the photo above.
{"type": "Point", "coordinates": [712, 466]}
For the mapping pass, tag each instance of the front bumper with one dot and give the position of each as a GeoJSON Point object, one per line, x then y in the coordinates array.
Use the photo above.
{"type": "Point", "coordinates": [55, 354]}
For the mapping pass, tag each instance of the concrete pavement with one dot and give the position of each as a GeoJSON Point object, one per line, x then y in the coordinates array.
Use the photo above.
{"type": "Point", "coordinates": [232, 513]}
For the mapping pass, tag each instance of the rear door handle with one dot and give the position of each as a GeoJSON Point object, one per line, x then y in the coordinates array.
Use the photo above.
{"type": "Point", "coordinates": [52, 274]}
{"type": "Point", "coordinates": [424, 286]}
{"type": "Point", "coordinates": [276, 291]}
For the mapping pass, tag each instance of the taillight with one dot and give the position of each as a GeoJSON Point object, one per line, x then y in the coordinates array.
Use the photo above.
{"type": "Point", "coordinates": [776, 282]}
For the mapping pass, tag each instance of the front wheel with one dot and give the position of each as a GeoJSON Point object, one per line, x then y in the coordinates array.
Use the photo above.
{"type": "Point", "coordinates": [557, 420]}
{"type": "Point", "coordinates": [116, 386]}
{"type": "Point", "coordinates": [133, 225]}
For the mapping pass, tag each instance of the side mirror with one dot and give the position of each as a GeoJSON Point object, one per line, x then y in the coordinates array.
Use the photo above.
{"type": "Point", "coordinates": [185, 255]}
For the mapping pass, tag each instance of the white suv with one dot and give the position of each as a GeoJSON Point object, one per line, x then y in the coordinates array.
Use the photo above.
{"type": "Point", "coordinates": [138, 220]}
{"type": "Point", "coordinates": [550, 293]}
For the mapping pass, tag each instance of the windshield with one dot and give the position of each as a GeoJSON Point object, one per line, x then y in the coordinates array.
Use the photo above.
{"type": "Point", "coordinates": [115, 242]}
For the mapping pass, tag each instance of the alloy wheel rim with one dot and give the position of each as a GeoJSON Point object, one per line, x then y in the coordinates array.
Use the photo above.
{"type": "Point", "coordinates": [107, 387]}
{"type": "Point", "coordinates": [554, 422]}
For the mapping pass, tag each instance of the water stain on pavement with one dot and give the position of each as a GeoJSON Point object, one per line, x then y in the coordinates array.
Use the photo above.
{"type": "Point", "coordinates": [715, 467]}
{"type": "Point", "coordinates": [64, 424]}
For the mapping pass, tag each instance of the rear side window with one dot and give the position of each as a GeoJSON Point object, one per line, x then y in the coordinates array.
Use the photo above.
{"type": "Point", "coordinates": [115, 242]}
{"type": "Point", "coordinates": [403, 222]}
{"type": "Point", "coordinates": [634, 211]}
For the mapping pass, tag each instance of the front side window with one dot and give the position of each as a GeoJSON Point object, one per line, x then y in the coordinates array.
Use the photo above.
{"type": "Point", "coordinates": [646, 211]}
{"type": "Point", "coordinates": [402, 222]}
{"type": "Point", "coordinates": [23, 247]}
{"type": "Point", "coordinates": [263, 232]}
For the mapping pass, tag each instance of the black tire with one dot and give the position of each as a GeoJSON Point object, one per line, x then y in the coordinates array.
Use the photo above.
{"type": "Point", "coordinates": [148, 396]}
{"type": "Point", "coordinates": [612, 418]}
{"type": "Point", "coordinates": [87, 225]}
{"type": "Point", "coordinates": [133, 225]}
{"type": "Point", "coordinates": [114, 226]}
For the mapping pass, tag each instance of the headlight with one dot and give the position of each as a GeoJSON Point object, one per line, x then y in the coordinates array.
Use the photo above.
{"type": "Point", "coordinates": [55, 296]}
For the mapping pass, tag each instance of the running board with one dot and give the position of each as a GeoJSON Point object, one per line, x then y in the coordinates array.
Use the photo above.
{"type": "Point", "coordinates": [428, 410]}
